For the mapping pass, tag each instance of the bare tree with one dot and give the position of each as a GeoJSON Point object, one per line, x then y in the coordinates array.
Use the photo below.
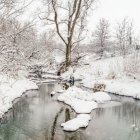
{"type": "Point", "coordinates": [124, 36]}
{"type": "Point", "coordinates": [17, 44]}
{"type": "Point", "coordinates": [47, 41]}
{"type": "Point", "coordinates": [69, 18]}
{"type": "Point", "coordinates": [102, 35]}
{"type": "Point", "coordinates": [14, 48]}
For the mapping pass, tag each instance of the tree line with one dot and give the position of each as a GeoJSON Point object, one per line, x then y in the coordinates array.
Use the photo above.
{"type": "Point", "coordinates": [21, 44]}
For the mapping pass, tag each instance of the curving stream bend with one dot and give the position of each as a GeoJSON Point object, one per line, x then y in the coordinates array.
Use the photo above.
{"type": "Point", "coordinates": [37, 116]}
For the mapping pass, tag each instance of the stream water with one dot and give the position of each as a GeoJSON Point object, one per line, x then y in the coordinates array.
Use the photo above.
{"type": "Point", "coordinates": [37, 116]}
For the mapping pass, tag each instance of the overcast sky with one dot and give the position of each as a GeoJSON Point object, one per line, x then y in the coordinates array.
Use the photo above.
{"type": "Point", "coordinates": [116, 10]}
{"type": "Point", "coordinates": [113, 10]}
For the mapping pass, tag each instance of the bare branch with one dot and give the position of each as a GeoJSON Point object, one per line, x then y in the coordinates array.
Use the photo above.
{"type": "Point", "coordinates": [56, 21]}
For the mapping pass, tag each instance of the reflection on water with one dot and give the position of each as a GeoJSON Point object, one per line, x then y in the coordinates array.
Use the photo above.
{"type": "Point", "coordinates": [53, 130]}
{"type": "Point", "coordinates": [67, 114]}
{"type": "Point", "coordinates": [39, 118]}
{"type": "Point", "coordinates": [121, 122]}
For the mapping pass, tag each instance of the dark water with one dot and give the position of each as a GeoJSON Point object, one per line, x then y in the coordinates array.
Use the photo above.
{"type": "Point", "coordinates": [38, 117]}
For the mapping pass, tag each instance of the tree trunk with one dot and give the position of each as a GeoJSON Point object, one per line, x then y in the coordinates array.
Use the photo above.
{"type": "Point", "coordinates": [68, 55]}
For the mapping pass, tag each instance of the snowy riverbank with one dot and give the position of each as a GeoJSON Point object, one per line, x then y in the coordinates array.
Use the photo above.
{"type": "Point", "coordinates": [9, 92]}
{"type": "Point", "coordinates": [124, 87]}
{"type": "Point", "coordinates": [81, 121]}
{"type": "Point", "coordinates": [110, 72]}
{"type": "Point", "coordinates": [83, 102]}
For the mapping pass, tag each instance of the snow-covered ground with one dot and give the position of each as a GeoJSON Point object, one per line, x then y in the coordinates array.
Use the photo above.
{"type": "Point", "coordinates": [110, 72]}
{"type": "Point", "coordinates": [91, 71]}
{"type": "Point", "coordinates": [97, 69]}
{"type": "Point", "coordinates": [10, 91]}
{"type": "Point", "coordinates": [126, 87]}
{"type": "Point", "coordinates": [83, 102]}
{"type": "Point", "coordinates": [81, 121]}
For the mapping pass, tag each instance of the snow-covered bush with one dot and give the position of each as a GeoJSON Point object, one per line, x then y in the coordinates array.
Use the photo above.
{"type": "Point", "coordinates": [132, 63]}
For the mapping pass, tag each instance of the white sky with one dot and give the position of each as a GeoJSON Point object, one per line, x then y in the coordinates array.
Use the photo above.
{"type": "Point", "coordinates": [116, 10]}
{"type": "Point", "coordinates": [113, 10]}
